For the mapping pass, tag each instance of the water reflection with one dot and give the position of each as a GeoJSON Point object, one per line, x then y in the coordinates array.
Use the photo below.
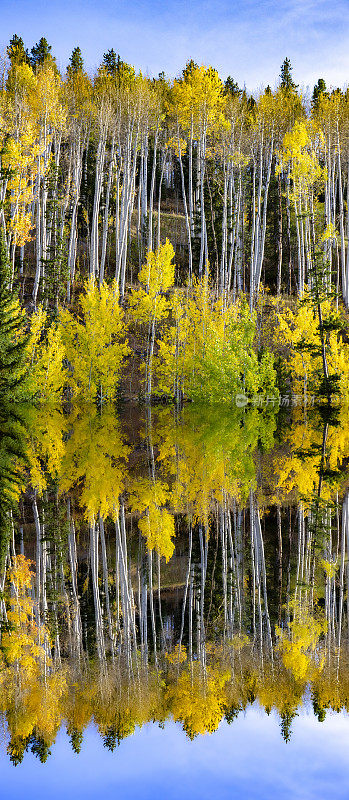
{"type": "Point", "coordinates": [171, 566]}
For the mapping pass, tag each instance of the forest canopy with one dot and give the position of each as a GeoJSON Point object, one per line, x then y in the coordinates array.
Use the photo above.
{"type": "Point", "coordinates": [174, 211]}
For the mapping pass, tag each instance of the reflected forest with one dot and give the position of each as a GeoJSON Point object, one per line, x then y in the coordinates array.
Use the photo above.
{"type": "Point", "coordinates": [174, 375]}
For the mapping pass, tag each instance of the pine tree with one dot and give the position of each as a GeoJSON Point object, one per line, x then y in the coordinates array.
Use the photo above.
{"type": "Point", "coordinates": [111, 739]}
{"type": "Point", "coordinates": [232, 87]}
{"type": "Point", "coordinates": [76, 62]}
{"type": "Point", "coordinates": [13, 461]}
{"type": "Point", "coordinates": [16, 51]}
{"type": "Point", "coordinates": [76, 738]}
{"type": "Point", "coordinates": [40, 53]}
{"type": "Point", "coordinates": [189, 68]}
{"type": "Point", "coordinates": [110, 61]}
{"type": "Point", "coordinates": [17, 746]}
{"type": "Point", "coordinates": [318, 708]}
{"type": "Point", "coordinates": [287, 718]}
{"type": "Point", "coordinates": [286, 81]}
{"type": "Point", "coordinates": [39, 748]}
{"type": "Point", "coordinates": [122, 72]}
{"type": "Point", "coordinates": [13, 338]}
{"type": "Point", "coordinates": [318, 91]}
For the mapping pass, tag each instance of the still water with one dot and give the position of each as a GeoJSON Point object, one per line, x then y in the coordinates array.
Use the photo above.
{"type": "Point", "coordinates": [174, 615]}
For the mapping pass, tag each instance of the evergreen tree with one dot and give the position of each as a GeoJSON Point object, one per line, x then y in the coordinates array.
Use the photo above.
{"type": "Point", "coordinates": [76, 738]}
{"type": "Point", "coordinates": [189, 68]}
{"type": "Point", "coordinates": [232, 87]}
{"type": "Point", "coordinates": [286, 81]}
{"type": "Point", "coordinates": [251, 103]}
{"type": "Point", "coordinates": [318, 91]}
{"type": "Point", "coordinates": [13, 421]}
{"type": "Point", "coordinates": [110, 61]}
{"type": "Point", "coordinates": [287, 717]}
{"type": "Point", "coordinates": [318, 708]}
{"type": "Point", "coordinates": [40, 53]}
{"type": "Point", "coordinates": [76, 62]}
{"type": "Point", "coordinates": [232, 713]}
{"type": "Point", "coordinates": [119, 69]}
{"type": "Point", "coordinates": [13, 338]}
{"type": "Point", "coordinates": [111, 738]}
{"type": "Point", "coordinates": [16, 748]}
{"type": "Point", "coordinates": [39, 748]}
{"type": "Point", "coordinates": [16, 51]}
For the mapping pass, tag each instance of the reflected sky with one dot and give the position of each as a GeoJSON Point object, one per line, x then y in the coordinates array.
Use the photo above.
{"type": "Point", "coordinates": [247, 759]}
{"type": "Point", "coordinates": [241, 594]}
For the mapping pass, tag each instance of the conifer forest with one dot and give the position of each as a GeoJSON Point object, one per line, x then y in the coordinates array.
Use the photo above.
{"type": "Point", "coordinates": [174, 420]}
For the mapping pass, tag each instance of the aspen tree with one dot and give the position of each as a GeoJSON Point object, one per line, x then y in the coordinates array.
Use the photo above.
{"type": "Point", "coordinates": [78, 101]}
{"type": "Point", "coordinates": [50, 116]}
{"type": "Point", "coordinates": [262, 123]}
{"type": "Point", "coordinates": [198, 107]}
{"type": "Point", "coordinates": [19, 158]}
{"type": "Point", "coordinates": [45, 354]}
{"type": "Point", "coordinates": [95, 343]}
{"type": "Point", "coordinates": [208, 354]}
{"type": "Point", "coordinates": [148, 304]}
{"type": "Point", "coordinates": [13, 339]}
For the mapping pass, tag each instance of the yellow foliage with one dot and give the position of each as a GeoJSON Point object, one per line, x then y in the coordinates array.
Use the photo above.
{"type": "Point", "coordinates": [208, 353]}
{"type": "Point", "coordinates": [297, 467]}
{"type": "Point", "coordinates": [298, 644]}
{"type": "Point", "coordinates": [177, 656]}
{"type": "Point", "coordinates": [156, 277]}
{"type": "Point", "coordinates": [94, 459]}
{"type": "Point", "coordinates": [198, 700]}
{"type": "Point", "coordinates": [329, 567]}
{"type": "Point", "coordinates": [25, 643]}
{"type": "Point", "coordinates": [148, 499]}
{"type": "Point", "coordinates": [45, 354]}
{"type": "Point", "coordinates": [296, 337]}
{"type": "Point", "coordinates": [298, 150]}
{"type": "Point", "coordinates": [207, 456]}
{"type": "Point", "coordinates": [45, 445]}
{"type": "Point", "coordinates": [20, 157]}
{"type": "Point", "coordinates": [199, 100]}
{"type": "Point", "coordinates": [95, 343]}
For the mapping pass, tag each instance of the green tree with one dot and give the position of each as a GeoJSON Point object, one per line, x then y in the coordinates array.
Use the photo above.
{"type": "Point", "coordinates": [110, 61]}
{"type": "Point", "coordinates": [76, 738]}
{"type": "Point", "coordinates": [287, 717]}
{"type": "Point", "coordinates": [40, 748]}
{"type": "Point", "coordinates": [16, 51]}
{"type": "Point", "coordinates": [123, 73]}
{"type": "Point", "coordinates": [76, 62]}
{"type": "Point", "coordinates": [318, 91]}
{"type": "Point", "coordinates": [232, 87]}
{"type": "Point", "coordinates": [286, 80]}
{"type": "Point", "coordinates": [189, 68]}
{"type": "Point", "coordinates": [13, 338]}
{"type": "Point", "coordinates": [40, 53]}
{"type": "Point", "coordinates": [13, 461]}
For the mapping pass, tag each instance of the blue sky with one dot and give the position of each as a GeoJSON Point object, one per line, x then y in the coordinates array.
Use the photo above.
{"type": "Point", "coordinates": [245, 38]}
{"type": "Point", "coordinates": [247, 759]}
